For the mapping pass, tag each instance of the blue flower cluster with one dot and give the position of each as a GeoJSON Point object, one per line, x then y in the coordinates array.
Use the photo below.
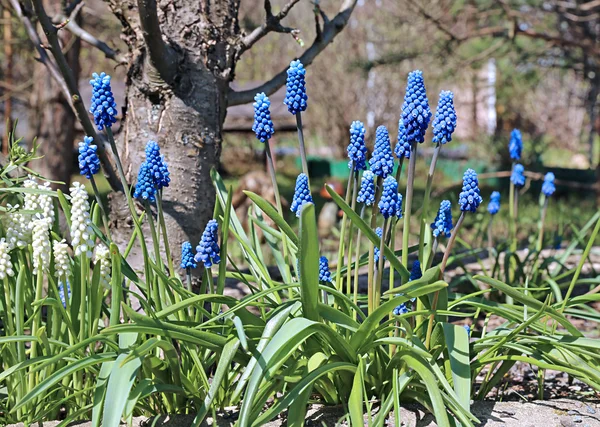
{"type": "Point", "coordinates": [548, 187]}
{"type": "Point", "coordinates": [444, 121]}
{"type": "Point", "coordinates": [208, 250]}
{"type": "Point", "coordinates": [517, 177]}
{"type": "Point", "coordinates": [157, 165]}
{"type": "Point", "coordinates": [401, 309]}
{"type": "Point", "coordinates": [399, 207]}
{"type": "Point", "coordinates": [301, 194]}
{"type": "Point", "coordinates": [263, 125]}
{"type": "Point", "coordinates": [402, 148]}
{"type": "Point", "coordinates": [389, 204]}
{"type": "Point", "coordinates": [382, 160]}
{"type": "Point", "coordinates": [494, 205]}
{"type": "Point", "coordinates": [470, 198]}
{"type": "Point", "coordinates": [379, 232]}
{"type": "Point", "coordinates": [295, 88]}
{"type": "Point", "coordinates": [416, 113]}
{"type": "Point", "coordinates": [61, 293]}
{"type": "Point", "coordinates": [366, 194]}
{"type": "Point", "coordinates": [415, 271]}
{"type": "Point", "coordinates": [145, 187]}
{"type": "Point", "coordinates": [442, 225]}
{"type": "Point", "coordinates": [357, 150]}
{"type": "Point", "coordinates": [89, 163]}
{"type": "Point", "coordinates": [187, 256]}
{"type": "Point", "coordinates": [515, 146]}
{"type": "Point", "coordinates": [324, 273]}
{"type": "Point", "coordinates": [104, 107]}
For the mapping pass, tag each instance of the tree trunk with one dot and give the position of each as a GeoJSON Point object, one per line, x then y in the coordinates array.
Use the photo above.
{"type": "Point", "coordinates": [53, 120]}
{"type": "Point", "coordinates": [185, 118]}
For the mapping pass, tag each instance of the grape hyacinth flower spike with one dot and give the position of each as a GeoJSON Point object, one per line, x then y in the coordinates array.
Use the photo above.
{"type": "Point", "coordinates": [89, 163]}
{"type": "Point", "coordinates": [301, 194]}
{"type": "Point", "coordinates": [379, 232]}
{"type": "Point", "coordinates": [145, 189]}
{"type": "Point", "coordinates": [324, 273]}
{"type": "Point", "coordinates": [357, 150]}
{"type": "Point", "coordinates": [494, 205]}
{"type": "Point", "coordinates": [208, 248]}
{"type": "Point", "coordinates": [515, 146]}
{"type": "Point", "coordinates": [366, 194]}
{"type": "Point", "coordinates": [399, 207]}
{"type": "Point", "coordinates": [188, 262]}
{"type": "Point", "coordinates": [295, 100]}
{"type": "Point", "coordinates": [389, 203]}
{"type": "Point", "coordinates": [104, 107]}
{"type": "Point", "coordinates": [470, 197]}
{"type": "Point", "coordinates": [382, 160]}
{"type": "Point", "coordinates": [442, 225]}
{"type": "Point", "coordinates": [263, 125]}
{"type": "Point", "coordinates": [6, 267]}
{"type": "Point", "coordinates": [548, 187]}
{"type": "Point", "coordinates": [61, 293]}
{"type": "Point", "coordinates": [157, 165]}
{"type": "Point", "coordinates": [402, 149]}
{"type": "Point", "coordinates": [444, 121]}
{"type": "Point", "coordinates": [517, 176]}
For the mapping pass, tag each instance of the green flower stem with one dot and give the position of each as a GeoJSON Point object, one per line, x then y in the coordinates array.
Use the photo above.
{"type": "Point", "coordinates": [424, 211]}
{"type": "Point", "coordinates": [356, 258]}
{"type": "Point", "coordinates": [544, 209]}
{"type": "Point", "coordinates": [37, 321]}
{"type": "Point", "coordinates": [188, 279]}
{"type": "Point", "coordinates": [350, 239]}
{"type": "Point", "coordinates": [442, 268]}
{"type": "Point", "coordinates": [101, 205]}
{"type": "Point", "coordinates": [340, 257]}
{"type": "Point", "coordinates": [511, 208]}
{"type": "Point", "coordinates": [8, 309]}
{"type": "Point", "coordinates": [302, 147]}
{"type": "Point", "coordinates": [163, 226]}
{"type": "Point", "coordinates": [489, 232]}
{"type": "Point", "coordinates": [159, 293]}
{"type": "Point", "coordinates": [434, 248]}
{"type": "Point", "coordinates": [399, 170]}
{"type": "Point", "coordinates": [83, 277]}
{"type": "Point", "coordinates": [379, 278]}
{"type": "Point", "coordinates": [284, 241]}
{"type": "Point", "coordinates": [391, 242]}
{"type": "Point", "coordinates": [374, 213]}
{"type": "Point", "coordinates": [408, 204]}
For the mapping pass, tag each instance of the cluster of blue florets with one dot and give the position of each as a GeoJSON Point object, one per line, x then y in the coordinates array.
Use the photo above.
{"type": "Point", "coordinates": [263, 125]}
{"type": "Point", "coordinates": [208, 250]}
{"type": "Point", "coordinates": [187, 256]}
{"type": "Point", "coordinates": [145, 187]}
{"type": "Point", "coordinates": [470, 198]}
{"type": "Point", "coordinates": [366, 194]}
{"type": "Point", "coordinates": [415, 271]}
{"type": "Point", "coordinates": [389, 204]}
{"type": "Point", "coordinates": [382, 160]}
{"type": "Point", "coordinates": [89, 163]}
{"type": "Point", "coordinates": [324, 273]}
{"type": "Point", "coordinates": [104, 107]}
{"type": "Point", "coordinates": [379, 232]}
{"type": "Point", "coordinates": [399, 207]}
{"type": "Point", "coordinates": [61, 293]}
{"type": "Point", "coordinates": [157, 165]}
{"type": "Point", "coordinates": [548, 187]}
{"type": "Point", "coordinates": [357, 150]}
{"type": "Point", "coordinates": [402, 148]}
{"type": "Point", "coordinates": [444, 121]}
{"type": "Point", "coordinates": [517, 176]}
{"type": "Point", "coordinates": [442, 225]}
{"type": "Point", "coordinates": [515, 146]}
{"type": "Point", "coordinates": [301, 194]}
{"type": "Point", "coordinates": [416, 113]}
{"type": "Point", "coordinates": [494, 205]}
{"type": "Point", "coordinates": [295, 88]}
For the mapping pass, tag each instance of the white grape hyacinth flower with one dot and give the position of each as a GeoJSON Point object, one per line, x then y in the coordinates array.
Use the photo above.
{"type": "Point", "coordinates": [103, 258]}
{"type": "Point", "coordinates": [41, 242]}
{"type": "Point", "coordinates": [16, 225]}
{"type": "Point", "coordinates": [38, 202]}
{"type": "Point", "coordinates": [82, 233]}
{"type": "Point", "coordinates": [62, 263]}
{"type": "Point", "coordinates": [6, 267]}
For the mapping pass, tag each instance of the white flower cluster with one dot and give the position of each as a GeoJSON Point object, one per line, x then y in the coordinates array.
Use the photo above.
{"type": "Point", "coordinates": [6, 267]}
{"type": "Point", "coordinates": [16, 225]}
{"type": "Point", "coordinates": [41, 202]}
{"type": "Point", "coordinates": [103, 257]}
{"type": "Point", "coordinates": [62, 263]}
{"type": "Point", "coordinates": [82, 234]}
{"type": "Point", "coordinates": [41, 242]}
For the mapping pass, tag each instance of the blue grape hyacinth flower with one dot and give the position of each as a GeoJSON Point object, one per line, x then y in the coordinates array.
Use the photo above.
{"type": "Point", "coordinates": [357, 150]}
{"type": "Point", "coordinates": [104, 107]}
{"type": "Point", "coordinates": [399, 207]}
{"type": "Point", "coordinates": [548, 187]}
{"type": "Point", "coordinates": [388, 205]}
{"type": "Point", "coordinates": [61, 293]}
{"type": "Point", "coordinates": [470, 198]}
{"type": "Point", "coordinates": [515, 146]}
{"type": "Point", "coordinates": [416, 113]}
{"type": "Point", "coordinates": [145, 189]}
{"type": "Point", "coordinates": [295, 88]}
{"type": "Point", "coordinates": [158, 166]}
{"type": "Point", "coordinates": [401, 309]}
{"type": "Point", "coordinates": [366, 194]}
{"type": "Point", "coordinates": [494, 205]}
{"type": "Point", "coordinates": [301, 194]}
{"type": "Point", "coordinates": [208, 250]}
{"type": "Point", "coordinates": [324, 273]}
{"type": "Point", "coordinates": [444, 121]}
{"type": "Point", "coordinates": [517, 176]}
{"type": "Point", "coordinates": [415, 271]}
{"type": "Point", "coordinates": [442, 225]}
{"type": "Point", "coordinates": [382, 160]}
{"type": "Point", "coordinates": [379, 232]}
{"type": "Point", "coordinates": [263, 125]}
{"type": "Point", "coordinates": [402, 148]}
{"type": "Point", "coordinates": [187, 256]}
{"type": "Point", "coordinates": [89, 163]}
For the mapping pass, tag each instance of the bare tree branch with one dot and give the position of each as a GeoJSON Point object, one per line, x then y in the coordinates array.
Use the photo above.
{"type": "Point", "coordinates": [66, 80]}
{"type": "Point", "coordinates": [272, 23]}
{"type": "Point", "coordinates": [162, 56]}
{"type": "Point", "coordinates": [330, 30]}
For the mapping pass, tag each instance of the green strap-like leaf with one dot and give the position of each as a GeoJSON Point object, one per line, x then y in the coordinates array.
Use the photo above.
{"type": "Point", "coordinates": [309, 262]}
